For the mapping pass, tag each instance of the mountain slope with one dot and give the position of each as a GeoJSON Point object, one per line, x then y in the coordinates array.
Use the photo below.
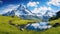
{"type": "Point", "coordinates": [23, 10]}
{"type": "Point", "coordinates": [10, 13]}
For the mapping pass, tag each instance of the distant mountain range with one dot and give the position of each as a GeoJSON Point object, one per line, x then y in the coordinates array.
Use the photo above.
{"type": "Point", "coordinates": [25, 13]}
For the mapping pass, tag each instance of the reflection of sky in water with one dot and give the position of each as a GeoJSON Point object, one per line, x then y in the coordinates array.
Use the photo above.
{"type": "Point", "coordinates": [38, 26]}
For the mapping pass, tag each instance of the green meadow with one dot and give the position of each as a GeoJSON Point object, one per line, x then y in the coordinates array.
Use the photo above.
{"type": "Point", "coordinates": [6, 28]}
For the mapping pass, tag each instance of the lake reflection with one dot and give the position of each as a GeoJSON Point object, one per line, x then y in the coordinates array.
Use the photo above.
{"type": "Point", "coordinates": [38, 26]}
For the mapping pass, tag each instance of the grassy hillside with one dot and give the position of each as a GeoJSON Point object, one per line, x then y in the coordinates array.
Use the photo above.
{"type": "Point", "coordinates": [55, 21]}
{"type": "Point", "coordinates": [6, 28]}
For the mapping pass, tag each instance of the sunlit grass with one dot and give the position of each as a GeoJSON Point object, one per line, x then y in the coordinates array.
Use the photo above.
{"type": "Point", "coordinates": [6, 28]}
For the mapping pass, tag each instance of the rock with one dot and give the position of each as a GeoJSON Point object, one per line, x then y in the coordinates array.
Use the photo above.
{"type": "Point", "coordinates": [21, 29]}
{"type": "Point", "coordinates": [56, 24]}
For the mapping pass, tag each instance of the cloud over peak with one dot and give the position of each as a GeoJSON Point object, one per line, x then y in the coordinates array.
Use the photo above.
{"type": "Point", "coordinates": [41, 9]}
{"type": "Point", "coordinates": [32, 4]}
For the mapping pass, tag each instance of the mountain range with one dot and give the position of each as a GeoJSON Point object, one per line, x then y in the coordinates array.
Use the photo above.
{"type": "Point", "coordinates": [25, 13]}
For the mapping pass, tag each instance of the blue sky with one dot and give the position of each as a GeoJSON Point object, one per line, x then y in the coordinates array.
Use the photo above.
{"type": "Point", "coordinates": [36, 6]}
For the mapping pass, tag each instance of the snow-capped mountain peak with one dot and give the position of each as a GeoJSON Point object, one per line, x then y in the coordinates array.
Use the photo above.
{"type": "Point", "coordinates": [25, 13]}
{"type": "Point", "coordinates": [23, 10]}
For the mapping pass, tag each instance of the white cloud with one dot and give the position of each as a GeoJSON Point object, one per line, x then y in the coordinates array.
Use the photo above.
{"type": "Point", "coordinates": [32, 4]}
{"type": "Point", "coordinates": [9, 8]}
{"type": "Point", "coordinates": [41, 9]}
{"type": "Point", "coordinates": [54, 2]}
